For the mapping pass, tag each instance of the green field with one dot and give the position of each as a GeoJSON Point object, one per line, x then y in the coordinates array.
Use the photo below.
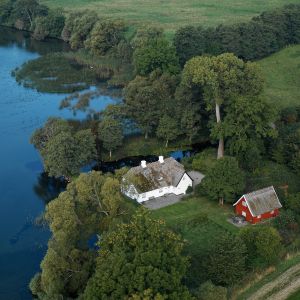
{"type": "Point", "coordinates": [282, 74]}
{"type": "Point", "coordinates": [176, 13]}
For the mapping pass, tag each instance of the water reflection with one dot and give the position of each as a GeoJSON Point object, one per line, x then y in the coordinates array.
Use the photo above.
{"type": "Point", "coordinates": [47, 188]}
{"type": "Point", "coordinates": [22, 39]}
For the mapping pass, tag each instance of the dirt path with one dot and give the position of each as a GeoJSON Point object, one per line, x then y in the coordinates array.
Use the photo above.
{"type": "Point", "coordinates": [280, 288]}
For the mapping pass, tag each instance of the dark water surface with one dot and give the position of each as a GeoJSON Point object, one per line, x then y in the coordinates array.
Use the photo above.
{"type": "Point", "coordinates": [23, 188]}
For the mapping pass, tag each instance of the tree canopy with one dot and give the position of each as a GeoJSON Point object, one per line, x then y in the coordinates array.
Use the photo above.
{"type": "Point", "coordinates": [139, 258]}
{"type": "Point", "coordinates": [90, 205]}
{"type": "Point", "coordinates": [224, 180]}
{"type": "Point", "coordinates": [156, 53]}
{"type": "Point", "coordinates": [221, 78]}
{"type": "Point", "coordinates": [110, 133]}
{"type": "Point", "coordinates": [64, 151]}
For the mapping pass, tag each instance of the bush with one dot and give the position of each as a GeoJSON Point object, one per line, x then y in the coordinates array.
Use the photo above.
{"type": "Point", "coordinates": [209, 291]}
{"type": "Point", "coordinates": [263, 245]}
{"type": "Point", "coordinates": [104, 36]}
{"type": "Point", "coordinates": [49, 26]}
{"type": "Point", "coordinates": [205, 160]}
{"type": "Point", "coordinates": [189, 190]}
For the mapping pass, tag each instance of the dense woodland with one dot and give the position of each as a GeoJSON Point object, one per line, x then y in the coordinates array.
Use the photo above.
{"type": "Point", "coordinates": [203, 85]}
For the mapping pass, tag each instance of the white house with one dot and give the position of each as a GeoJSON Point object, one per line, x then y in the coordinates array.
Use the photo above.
{"type": "Point", "coordinates": [153, 180]}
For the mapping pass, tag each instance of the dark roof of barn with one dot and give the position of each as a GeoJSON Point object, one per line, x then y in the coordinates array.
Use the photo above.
{"type": "Point", "coordinates": [262, 201]}
{"type": "Point", "coordinates": [156, 175]}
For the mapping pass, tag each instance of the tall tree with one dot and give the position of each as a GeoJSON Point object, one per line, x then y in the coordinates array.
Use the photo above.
{"type": "Point", "coordinates": [52, 127]}
{"type": "Point", "coordinates": [224, 180]}
{"type": "Point", "coordinates": [78, 27]}
{"type": "Point", "coordinates": [137, 259]}
{"type": "Point", "coordinates": [63, 151]}
{"type": "Point", "coordinates": [221, 78]}
{"type": "Point", "coordinates": [148, 98]}
{"type": "Point", "coordinates": [104, 36]}
{"type": "Point", "coordinates": [27, 10]}
{"type": "Point", "coordinates": [167, 129]}
{"type": "Point", "coordinates": [248, 119]}
{"type": "Point", "coordinates": [190, 122]}
{"type": "Point", "coordinates": [111, 134]}
{"type": "Point", "coordinates": [91, 204]}
{"type": "Point", "coordinates": [156, 53]}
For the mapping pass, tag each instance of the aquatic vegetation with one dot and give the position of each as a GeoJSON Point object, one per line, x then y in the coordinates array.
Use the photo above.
{"type": "Point", "coordinates": [54, 73]}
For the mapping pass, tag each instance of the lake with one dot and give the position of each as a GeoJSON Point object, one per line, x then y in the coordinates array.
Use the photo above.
{"type": "Point", "coordinates": [23, 188]}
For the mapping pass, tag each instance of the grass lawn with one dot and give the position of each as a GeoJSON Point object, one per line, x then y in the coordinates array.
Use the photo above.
{"type": "Point", "coordinates": [190, 208]}
{"type": "Point", "coordinates": [282, 74]}
{"type": "Point", "coordinates": [173, 14]}
{"type": "Point", "coordinates": [199, 221]}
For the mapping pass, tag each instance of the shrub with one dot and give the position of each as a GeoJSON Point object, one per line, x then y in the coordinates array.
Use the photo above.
{"type": "Point", "coordinates": [205, 160]}
{"type": "Point", "coordinates": [189, 190]}
{"type": "Point", "coordinates": [209, 291]}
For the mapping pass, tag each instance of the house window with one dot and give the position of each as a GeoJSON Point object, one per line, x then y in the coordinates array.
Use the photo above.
{"type": "Point", "coordinates": [244, 203]}
{"type": "Point", "coordinates": [244, 214]}
{"type": "Point", "coordinates": [259, 216]}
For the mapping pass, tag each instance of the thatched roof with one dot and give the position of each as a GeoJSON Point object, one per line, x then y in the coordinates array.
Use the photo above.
{"type": "Point", "coordinates": [156, 175]}
{"type": "Point", "coordinates": [262, 201]}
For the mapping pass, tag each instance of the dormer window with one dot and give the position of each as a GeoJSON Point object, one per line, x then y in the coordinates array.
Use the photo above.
{"type": "Point", "coordinates": [244, 203]}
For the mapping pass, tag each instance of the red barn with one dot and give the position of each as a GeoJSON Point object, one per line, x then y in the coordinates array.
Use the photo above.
{"type": "Point", "coordinates": [258, 205]}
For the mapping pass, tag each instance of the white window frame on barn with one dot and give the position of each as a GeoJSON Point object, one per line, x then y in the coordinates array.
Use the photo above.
{"type": "Point", "coordinates": [244, 203]}
{"type": "Point", "coordinates": [244, 214]}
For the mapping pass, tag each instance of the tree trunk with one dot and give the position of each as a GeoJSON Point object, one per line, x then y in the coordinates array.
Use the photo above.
{"type": "Point", "coordinates": [167, 142]}
{"type": "Point", "coordinates": [221, 140]}
{"type": "Point", "coordinates": [221, 201]}
{"type": "Point", "coordinates": [110, 154]}
{"type": "Point", "coordinates": [146, 134]}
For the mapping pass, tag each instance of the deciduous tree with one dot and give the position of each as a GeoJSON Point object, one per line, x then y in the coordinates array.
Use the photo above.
{"type": "Point", "coordinates": [104, 36]}
{"type": "Point", "coordinates": [91, 205]}
{"type": "Point", "coordinates": [157, 53]}
{"type": "Point", "coordinates": [111, 134]}
{"type": "Point", "coordinates": [168, 129]}
{"type": "Point", "coordinates": [224, 180]}
{"type": "Point", "coordinates": [225, 262]}
{"type": "Point", "coordinates": [221, 78]}
{"type": "Point", "coordinates": [139, 258]}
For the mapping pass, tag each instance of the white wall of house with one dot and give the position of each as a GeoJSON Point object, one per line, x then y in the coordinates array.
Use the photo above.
{"type": "Point", "coordinates": [181, 188]}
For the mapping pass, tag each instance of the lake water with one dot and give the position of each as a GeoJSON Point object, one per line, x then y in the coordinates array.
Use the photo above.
{"type": "Point", "coordinates": [23, 188]}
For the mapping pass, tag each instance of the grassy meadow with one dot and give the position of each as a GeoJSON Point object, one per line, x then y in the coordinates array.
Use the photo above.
{"type": "Point", "coordinates": [173, 14]}
{"type": "Point", "coordinates": [282, 74]}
